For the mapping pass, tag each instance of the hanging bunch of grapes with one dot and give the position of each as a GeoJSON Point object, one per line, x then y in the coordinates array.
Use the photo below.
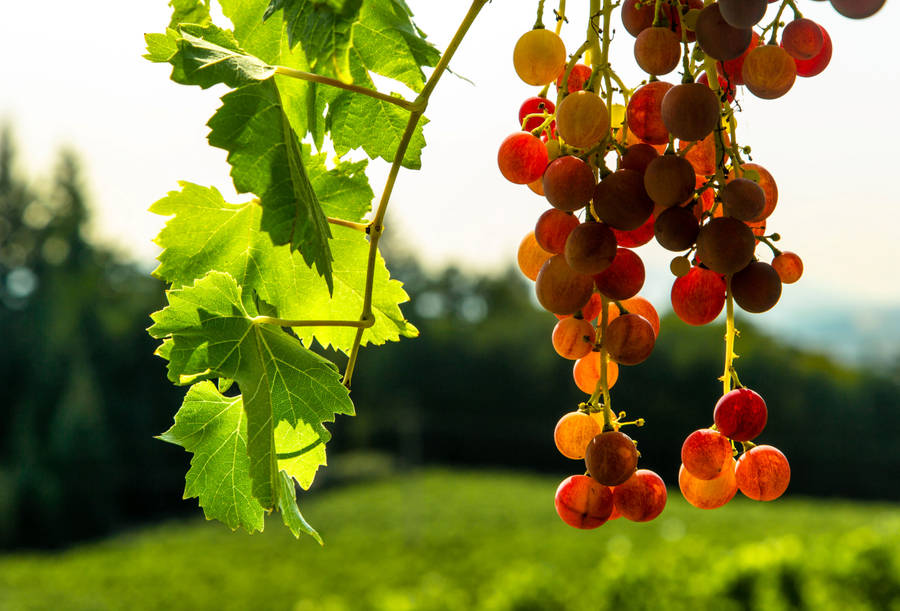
{"type": "Point", "coordinates": [620, 166]}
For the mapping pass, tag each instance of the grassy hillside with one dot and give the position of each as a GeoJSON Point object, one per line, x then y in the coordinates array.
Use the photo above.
{"type": "Point", "coordinates": [489, 540]}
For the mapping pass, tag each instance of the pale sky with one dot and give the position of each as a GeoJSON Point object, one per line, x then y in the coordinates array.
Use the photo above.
{"type": "Point", "coordinates": [78, 78]}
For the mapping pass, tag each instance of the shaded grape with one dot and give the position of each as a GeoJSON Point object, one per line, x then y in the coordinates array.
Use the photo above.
{"type": "Point", "coordinates": [857, 9]}
{"type": "Point", "coordinates": [590, 248]}
{"type": "Point", "coordinates": [690, 111]}
{"type": "Point", "coordinates": [725, 245]}
{"type": "Point", "coordinates": [574, 432]}
{"type": "Point", "coordinates": [769, 72]}
{"type": "Point", "coordinates": [629, 339]}
{"type": "Point", "coordinates": [802, 38]}
{"type": "Point", "coordinates": [743, 199]}
{"type": "Point", "coordinates": [789, 267]}
{"type": "Point", "coordinates": [531, 256]}
{"type": "Point", "coordinates": [621, 201]}
{"type": "Point", "coordinates": [568, 183]}
{"type": "Point", "coordinates": [538, 56]}
{"type": "Point", "coordinates": [642, 497]}
{"type": "Point", "coordinates": [699, 296]}
{"type": "Point", "coordinates": [743, 13]}
{"type": "Point", "coordinates": [644, 112]}
{"type": "Point", "coordinates": [705, 452]}
{"type": "Point", "coordinates": [767, 182]}
{"type": "Point", "coordinates": [522, 158]}
{"type": "Point", "coordinates": [757, 287]}
{"type": "Point", "coordinates": [676, 228]}
{"type": "Point", "coordinates": [623, 278]}
{"type": "Point", "coordinates": [637, 156]}
{"type": "Point", "coordinates": [582, 502]}
{"type": "Point", "coordinates": [582, 119]}
{"type": "Point", "coordinates": [560, 289]}
{"type": "Point", "coordinates": [680, 266]}
{"type": "Point", "coordinates": [762, 473]}
{"type": "Point", "coordinates": [670, 180]}
{"type": "Point", "coordinates": [814, 66]}
{"type": "Point", "coordinates": [635, 237]}
{"type": "Point", "coordinates": [740, 414]}
{"type": "Point", "coordinates": [719, 39]}
{"type": "Point", "coordinates": [657, 50]}
{"type": "Point", "coordinates": [611, 458]}
{"type": "Point", "coordinates": [709, 493]}
{"type": "Point", "coordinates": [573, 338]}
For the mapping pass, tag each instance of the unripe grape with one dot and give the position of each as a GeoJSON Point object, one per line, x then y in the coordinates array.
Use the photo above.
{"type": "Point", "coordinates": [582, 119]}
{"type": "Point", "coordinates": [538, 56]}
{"type": "Point", "coordinates": [769, 72]}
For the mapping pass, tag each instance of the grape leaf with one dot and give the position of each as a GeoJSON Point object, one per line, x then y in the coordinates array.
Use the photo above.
{"type": "Point", "coordinates": [208, 233]}
{"type": "Point", "coordinates": [189, 11]}
{"type": "Point", "coordinates": [214, 429]}
{"type": "Point", "coordinates": [209, 331]}
{"type": "Point", "coordinates": [205, 56]}
{"type": "Point", "coordinates": [290, 513]}
{"type": "Point", "coordinates": [323, 29]}
{"type": "Point", "coordinates": [265, 159]}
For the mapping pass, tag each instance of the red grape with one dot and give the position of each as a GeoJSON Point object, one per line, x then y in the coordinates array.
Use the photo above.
{"type": "Point", "coordinates": [698, 297]}
{"type": "Point", "coordinates": [705, 452]}
{"type": "Point", "coordinates": [802, 38]}
{"type": "Point", "coordinates": [582, 502]}
{"type": "Point", "coordinates": [586, 372]}
{"type": "Point", "coordinates": [635, 237]}
{"type": "Point", "coordinates": [740, 414]}
{"type": "Point", "coordinates": [814, 66]}
{"type": "Point", "coordinates": [642, 497]}
{"type": "Point", "coordinates": [568, 183]}
{"type": "Point", "coordinates": [573, 338]}
{"type": "Point", "coordinates": [535, 105]}
{"type": "Point", "coordinates": [623, 278]}
{"type": "Point", "coordinates": [763, 473]}
{"type": "Point", "coordinates": [531, 256]}
{"type": "Point", "coordinates": [560, 289]}
{"type": "Point", "coordinates": [789, 267]}
{"type": "Point", "coordinates": [709, 493]}
{"type": "Point", "coordinates": [644, 112]}
{"type": "Point", "coordinates": [522, 158]}
{"type": "Point", "coordinates": [629, 339]}
{"type": "Point", "coordinates": [611, 458]}
{"type": "Point", "coordinates": [553, 228]}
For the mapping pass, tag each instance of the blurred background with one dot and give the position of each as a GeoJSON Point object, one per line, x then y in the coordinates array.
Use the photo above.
{"type": "Point", "coordinates": [438, 495]}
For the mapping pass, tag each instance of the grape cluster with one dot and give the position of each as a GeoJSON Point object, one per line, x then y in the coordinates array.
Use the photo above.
{"type": "Point", "coordinates": [665, 163]}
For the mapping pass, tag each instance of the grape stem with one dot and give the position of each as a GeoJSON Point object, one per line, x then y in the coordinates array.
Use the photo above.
{"type": "Point", "coordinates": [324, 80]}
{"type": "Point", "coordinates": [730, 333]}
{"type": "Point", "coordinates": [348, 224]}
{"type": "Point", "coordinates": [560, 16]}
{"type": "Point", "coordinates": [564, 86]}
{"type": "Point", "coordinates": [539, 22]}
{"type": "Point", "coordinates": [602, 388]}
{"type": "Point", "coordinates": [284, 322]}
{"type": "Point", "coordinates": [376, 227]}
{"type": "Point", "coordinates": [768, 243]}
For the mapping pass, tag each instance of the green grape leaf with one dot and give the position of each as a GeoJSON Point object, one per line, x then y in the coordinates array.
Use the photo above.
{"type": "Point", "coordinates": [290, 513]}
{"type": "Point", "coordinates": [324, 31]}
{"type": "Point", "coordinates": [212, 333]}
{"type": "Point", "coordinates": [205, 232]}
{"type": "Point", "coordinates": [214, 429]}
{"type": "Point", "coordinates": [301, 451]}
{"type": "Point", "coordinates": [189, 11]}
{"type": "Point", "coordinates": [265, 158]}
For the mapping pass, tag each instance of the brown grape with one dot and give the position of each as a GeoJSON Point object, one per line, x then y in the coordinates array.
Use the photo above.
{"type": "Point", "coordinates": [553, 228]}
{"type": "Point", "coordinates": [718, 38]}
{"type": "Point", "coordinates": [586, 372]}
{"type": "Point", "coordinates": [629, 339]}
{"type": "Point", "coordinates": [857, 9]}
{"type": "Point", "coordinates": [637, 157]}
{"type": "Point", "coordinates": [757, 287]}
{"type": "Point", "coordinates": [568, 183]}
{"type": "Point", "coordinates": [574, 432]}
{"type": "Point", "coordinates": [657, 50]}
{"type": "Point", "coordinates": [531, 256]}
{"type": "Point", "coordinates": [538, 56]}
{"type": "Point", "coordinates": [705, 452]}
{"type": "Point", "coordinates": [743, 199]}
{"type": "Point", "coordinates": [670, 180]}
{"type": "Point", "coordinates": [768, 186]}
{"type": "Point", "coordinates": [590, 248]}
{"type": "Point", "coordinates": [582, 502]}
{"type": "Point", "coordinates": [789, 267]}
{"type": "Point", "coordinates": [623, 278]}
{"type": "Point", "coordinates": [642, 497]}
{"type": "Point", "coordinates": [560, 289]}
{"type": "Point", "coordinates": [802, 38]}
{"type": "Point", "coordinates": [680, 266]}
{"type": "Point", "coordinates": [639, 305]}
{"type": "Point", "coordinates": [690, 111]}
{"type": "Point", "coordinates": [582, 119]}
{"type": "Point", "coordinates": [709, 493]}
{"type": "Point", "coordinates": [644, 113]}
{"type": "Point", "coordinates": [725, 245]}
{"type": "Point", "coordinates": [676, 228]}
{"type": "Point", "coordinates": [621, 201]}
{"type": "Point", "coordinates": [743, 13]}
{"type": "Point", "coordinates": [611, 458]}
{"type": "Point", "coordinates": [699, 296]}
{"type": "Point", "coordinates": [763, 473]}
{"type": "Point", "coordinates": [769, 72]}
{"type": "Point", "coordinates": [740, 414]}
{"type": "Point", "coordinates": [573, 338]}
{"type": "Point", "coordinates": [522, 158]}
